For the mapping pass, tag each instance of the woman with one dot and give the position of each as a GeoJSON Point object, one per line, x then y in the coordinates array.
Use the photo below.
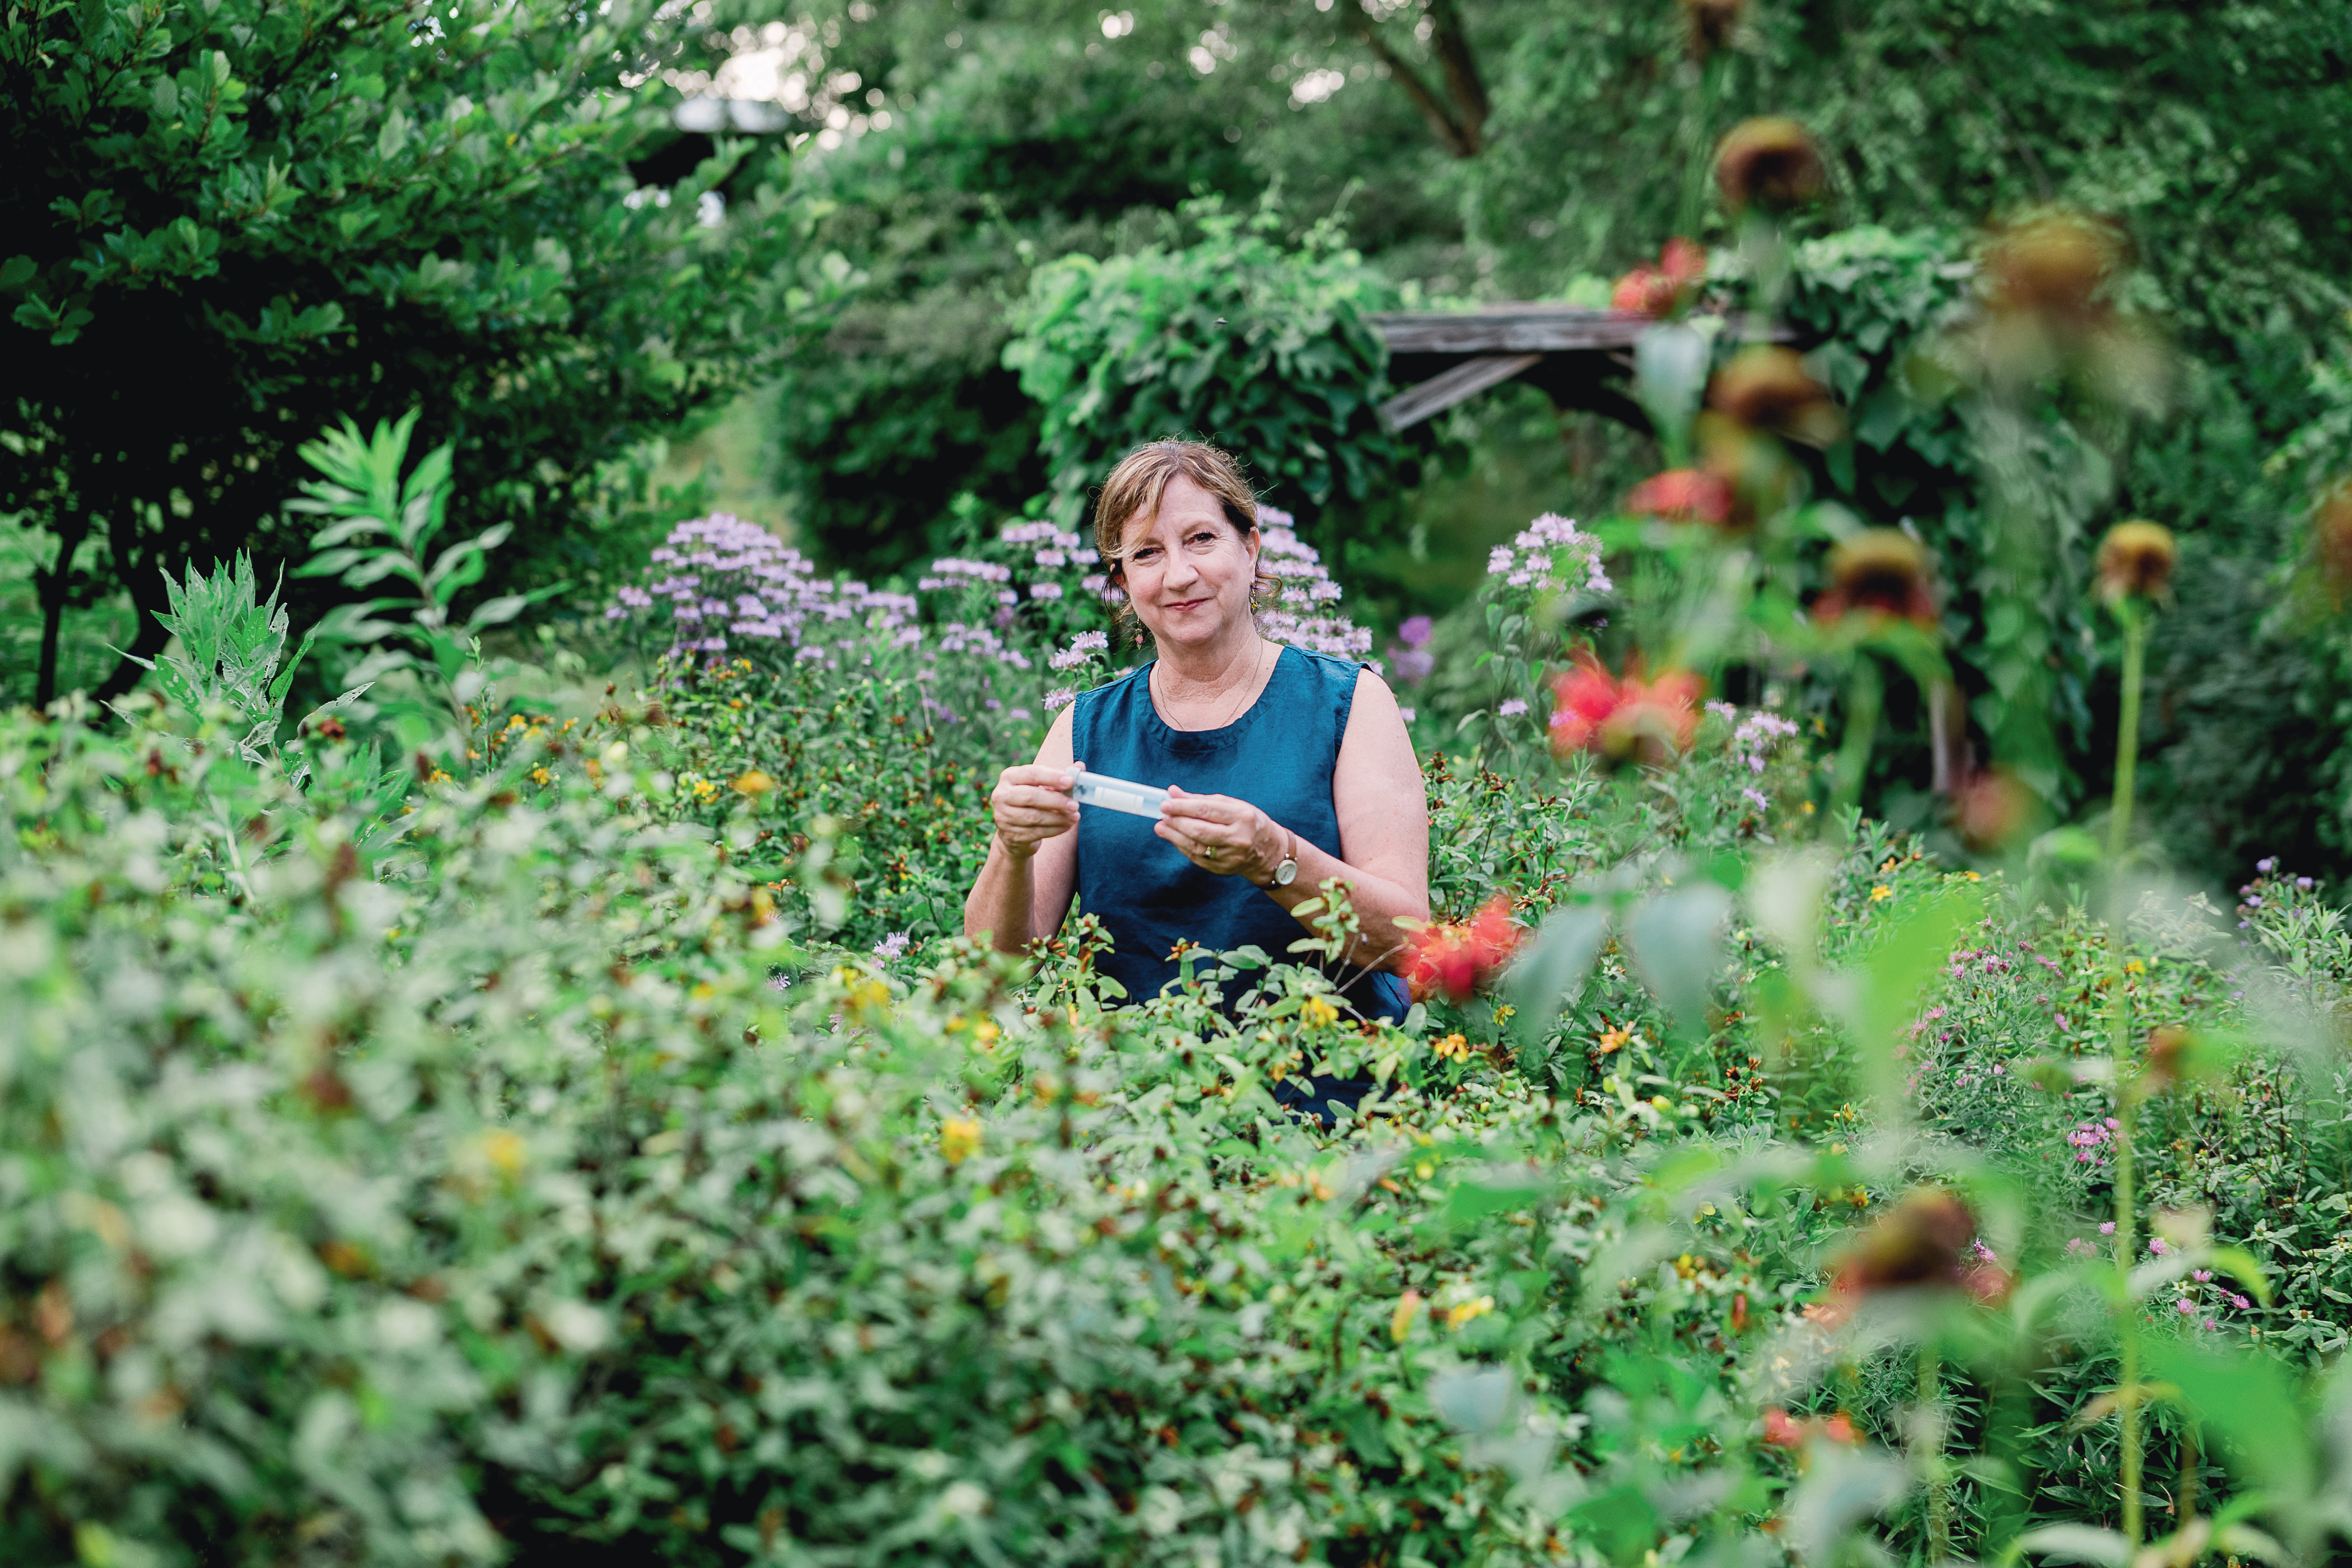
{"type": "Point", "coordinates": [1283, 768]}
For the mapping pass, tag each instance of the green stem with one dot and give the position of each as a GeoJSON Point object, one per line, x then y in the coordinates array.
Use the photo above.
{"type": "Point", "coordinates": [1930, 1454]}
{"type": "Point", "coordinates": [2127, 1325]}
{"type": "Point", "coordinates": [1864, 694]}
{"type": "Point", "coordinates": [2134, 620]}
{"type": "Point", "coordinates": [2125, 1075]}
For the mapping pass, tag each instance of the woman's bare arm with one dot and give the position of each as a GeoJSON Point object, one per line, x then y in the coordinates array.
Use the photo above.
{"type": "Point", "coordinates": [1380, 797]}
{"type": "Point", "coordinates": [1024, 889]}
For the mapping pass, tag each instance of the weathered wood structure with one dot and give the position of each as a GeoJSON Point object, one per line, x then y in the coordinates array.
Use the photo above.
{"type": "Point", "coordinates": [1581, 358]}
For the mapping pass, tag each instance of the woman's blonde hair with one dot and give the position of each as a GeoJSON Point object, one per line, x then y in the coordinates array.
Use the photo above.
{"type": "Point", "coordinates": [1135, 486]}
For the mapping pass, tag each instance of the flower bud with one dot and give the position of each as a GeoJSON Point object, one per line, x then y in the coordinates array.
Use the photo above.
{"type": "Point", "coordinates": [1770, 164]}
{"type": "Point", "coordinates": [2136, 561]}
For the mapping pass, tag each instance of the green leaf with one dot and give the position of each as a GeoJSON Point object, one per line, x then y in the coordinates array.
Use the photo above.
{"type": "Point", "coordinates": [1675, 939]}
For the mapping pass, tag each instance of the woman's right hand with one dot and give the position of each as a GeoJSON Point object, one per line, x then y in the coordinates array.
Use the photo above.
{"type": "Point", "coordinates": [1032, 803]}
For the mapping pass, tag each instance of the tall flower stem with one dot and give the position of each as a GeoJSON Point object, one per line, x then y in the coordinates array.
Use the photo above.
{"type": "Point", "coordinates": [1864, 696]}
{"type": "Point", "coordinates": [2134, 617]}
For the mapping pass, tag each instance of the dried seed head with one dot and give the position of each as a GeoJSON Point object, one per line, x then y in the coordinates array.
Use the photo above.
{"type": "Point", "coordinates": [1767, 388]}
{"type": "Point", "coordinates": [1770, 164]}
{"type": "Point", "coordinates": [2331, 537]}
{"type": "Point", "coordinates": [1879, 572]}
{"type": "Point", "coordinates": [1712, 23]}
{"type": "Point", "coordinates": [2136, 561]}
{"type": "Point", "coordinates": [2053, 265]}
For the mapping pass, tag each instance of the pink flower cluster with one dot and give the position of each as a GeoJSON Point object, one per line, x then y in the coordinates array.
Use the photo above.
{"type": "Point", "coordinates": [2089, 1137]}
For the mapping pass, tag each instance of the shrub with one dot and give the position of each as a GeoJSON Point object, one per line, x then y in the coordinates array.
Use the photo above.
{"type": "Point", "coordinates": [1236, 341]}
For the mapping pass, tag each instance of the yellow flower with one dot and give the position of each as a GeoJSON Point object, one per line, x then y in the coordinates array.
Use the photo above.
{"type": "Point", "coordinates": [754, 784]}
{"type": "Point", "coordinates": [1408, 1307]}
{"type": "Point", "coordinates": [1881, 891]}
{"type": "Point", "coordinates": [985, 1031]}
{"type": "Point", "coordinates": [438, 776]}
{"type": "Point", "coordinates": [1453, 1045]}
{"type": "Point", "coordinates": [1320, 1012]}
{"type": "Point", "coordinates": [1808, 808]}
{"type": "Point", "coordinates": [1463, 1312]}
{"type": "Point", "coordinates": [1973, 877]}
{"type": "Point", "coordinates": [1614, 1039]}
{"type": "Point", "coordinates": [541, 776]}
{"type": "Point", "coordinates": [959, 1139]}
{"type": "Point", "coordinates": [2135, 967]}
{"type": "Point", "coordinates": [503, 1151]}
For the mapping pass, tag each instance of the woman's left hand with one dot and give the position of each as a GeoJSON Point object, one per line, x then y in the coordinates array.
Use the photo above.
{"type": "Point", "coordinates": [1217, 833]}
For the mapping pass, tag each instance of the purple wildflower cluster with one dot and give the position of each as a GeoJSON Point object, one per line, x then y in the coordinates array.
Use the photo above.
{"type": "Point", "coordinates": [1304, 585]}
{"type": "Point", "coordinates": [1753, 739]}
{"type": "Point", "coordinates": [1037, 593]}
{"type": "Point", "coordinates": [1550, 552]}
{"type": "Point", "coordinates": [722, 577]}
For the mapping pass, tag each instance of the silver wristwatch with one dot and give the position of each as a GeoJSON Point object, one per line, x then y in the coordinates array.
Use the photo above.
{"type": "Point", "coordinates": [1287, 872]}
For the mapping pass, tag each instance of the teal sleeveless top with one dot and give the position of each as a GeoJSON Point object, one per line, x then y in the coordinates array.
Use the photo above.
{"type": "Point", "coordinates": [1279, 756]}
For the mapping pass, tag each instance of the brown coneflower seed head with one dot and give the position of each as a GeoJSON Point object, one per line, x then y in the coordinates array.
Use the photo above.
{"type": "Point", "coordinates": [2136, 561]}
{"type": "Point", "coordinates": [1916, 1243]}
{"type": "Point", "coordinates": [2169, 1053]}
{"type": "Point", "coordinates": [2331, 537]}
{"type": "Point", "coordinates": [1878, 572]}
{"type": "Point", "coordinates": [1989, 809]}
{"type": "Point", "coordinates": [2053, 265]}
{"type": "Point", "coordinates": [1711, 23]}
{"type": "Point", "coordinates": [1765, 387]}
{"type": "Point", "coordinates": [1768, 163]}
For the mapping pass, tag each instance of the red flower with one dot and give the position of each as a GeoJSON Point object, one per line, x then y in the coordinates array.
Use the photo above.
{"type": "Point", "coordinates": [1592, 711]}
{"type": "Point", "coordinates": [1457, 959]}
{"type": "Point", "coordinates": [1683, 495]}
{"type": "Point", "coordinates": [1781, 1430]}
{"type": "Point", "coordinates": [1660, 289]}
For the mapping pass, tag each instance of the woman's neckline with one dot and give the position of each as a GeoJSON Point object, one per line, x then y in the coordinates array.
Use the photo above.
{"type": "Point", "coordinates": [1239, 720]}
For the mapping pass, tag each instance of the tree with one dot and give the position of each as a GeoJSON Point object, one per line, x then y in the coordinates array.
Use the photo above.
{"type": "Point", "coordinates": [232, 221]}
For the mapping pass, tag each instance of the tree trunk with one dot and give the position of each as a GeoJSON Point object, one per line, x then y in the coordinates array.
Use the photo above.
{"type": "Point", "coordinates": [54, 586]}
{"type": "Point", "coordinates": [1457, 117]}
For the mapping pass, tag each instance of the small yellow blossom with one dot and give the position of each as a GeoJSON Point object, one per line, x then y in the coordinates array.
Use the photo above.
{"type": "Point", "coordinates": [985, 1031]}
{"type": "Point", "coordinates": [1807, 808]}
{"type": "Point", "coordinates": [754, 784]}
{"type": "Point", "coordinates": [1408, 1307]}
{"type": "Point", "coordinates": [1881, 891]}
{"type": "Point", "coordinates": [2135, 967]}
{"type": "Point", "coordinates": [503, 1151]}
{"type": "Point", "coordinates": [438, 776]}
{"type": "Point", "coordinates": [1454, 1047]}
{"type": "Point", "coordinates": [1974, 877]}
{"type": "Point", "coordinates": [1320, 1012]}
{"type": "Point", "coordinates": [1614, 1039]}
{"type": "Point", "coordinates": [1465, 1311]}
{"type": "Point", "coordinates": [541, 776]}
{"type": "Point", "coordinates": [959, 1139]}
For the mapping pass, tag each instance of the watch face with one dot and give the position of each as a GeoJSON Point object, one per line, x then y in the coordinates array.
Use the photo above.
{"type": "Point", "coordinates": [1285, 873]}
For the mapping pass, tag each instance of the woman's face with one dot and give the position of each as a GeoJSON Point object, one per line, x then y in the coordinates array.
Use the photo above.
{"type": "Point", "coordinates": [1187, 570]}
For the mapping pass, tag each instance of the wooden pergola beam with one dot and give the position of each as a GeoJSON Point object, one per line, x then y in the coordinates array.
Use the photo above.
{"type": "Point", "coordinates": [1472, 351]}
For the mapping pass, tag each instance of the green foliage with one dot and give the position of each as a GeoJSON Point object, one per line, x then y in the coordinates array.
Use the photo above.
{"type": "Point", "coordinates": [1235, 340]}
{"type": "Point", "coordinates": [225, 221]}
{"type": "Point", "coordinates": [894, 401]}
